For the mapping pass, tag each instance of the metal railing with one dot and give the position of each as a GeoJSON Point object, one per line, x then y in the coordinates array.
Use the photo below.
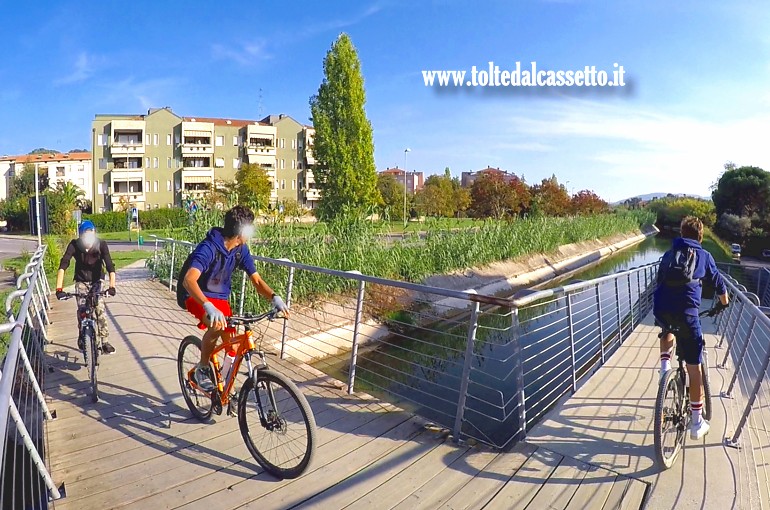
{"type": "Point", "coordinates": [26, 481]}
{"type": "Point", "coordinates": [483, 367]}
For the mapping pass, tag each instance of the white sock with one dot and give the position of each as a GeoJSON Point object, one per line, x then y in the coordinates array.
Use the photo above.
{"type": "Point", "coordinates": [665, 361]}
{"type": "Point", "coordinates": [697, 417]}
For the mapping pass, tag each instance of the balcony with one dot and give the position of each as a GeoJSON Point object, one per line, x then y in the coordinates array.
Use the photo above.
{"type": "Point", "coordinates": [197, 146]}
{"type": "Point", "coordinates": [126, 148]}
{"type": "Point", "coordinates": [311, 194]}
{"type": "Point", "coordinates": [266, 159]}
{"type": "Point", "coordinates": [131, 198]}
{"type": "Point", "coordinates": [197, 138]}
{"type": "Point", "coordinates": [200, 166]}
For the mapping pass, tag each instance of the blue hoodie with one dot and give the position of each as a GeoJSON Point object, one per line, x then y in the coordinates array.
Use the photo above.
{"type": "Point", "coordinates": [687, 298]}
{"type": "Point", "coordinates": [217, 265]}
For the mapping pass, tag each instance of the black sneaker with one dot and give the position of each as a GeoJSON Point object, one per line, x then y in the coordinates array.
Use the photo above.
{"type": "Point", "coordinates": [107, 347]}
{"type": "Point", "coordinates": [202, 378]}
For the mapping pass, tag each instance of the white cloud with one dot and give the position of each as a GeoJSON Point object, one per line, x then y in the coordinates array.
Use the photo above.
{"type": "Point", "coordinates": [84, 68]}
{"type": "Point", "coordinates": [242, 53]}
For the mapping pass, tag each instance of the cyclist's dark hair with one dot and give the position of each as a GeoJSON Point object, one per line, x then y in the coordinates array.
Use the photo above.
{"type": "Point", "coordinates": [692, 228]}
{"type": "Point", "coordinates": [235, 218]}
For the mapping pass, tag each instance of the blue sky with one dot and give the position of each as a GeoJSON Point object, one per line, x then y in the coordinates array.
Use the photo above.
{"type": "Point", "coordinates": [698, 75]}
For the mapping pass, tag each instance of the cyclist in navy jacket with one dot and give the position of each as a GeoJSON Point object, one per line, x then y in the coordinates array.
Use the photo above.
{"type": "Point", "coordinates": [676, 307]}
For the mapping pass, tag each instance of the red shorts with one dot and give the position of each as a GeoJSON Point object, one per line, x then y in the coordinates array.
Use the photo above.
{"type": "Point", "coordinates": [198, 312]}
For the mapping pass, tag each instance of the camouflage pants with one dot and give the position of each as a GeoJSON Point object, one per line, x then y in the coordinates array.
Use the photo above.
{"type": "Point", "coordinates": [101, 315]}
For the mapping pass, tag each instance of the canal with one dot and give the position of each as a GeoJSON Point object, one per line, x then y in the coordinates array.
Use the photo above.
{"type": "Point", "coordinates": [420, 366]}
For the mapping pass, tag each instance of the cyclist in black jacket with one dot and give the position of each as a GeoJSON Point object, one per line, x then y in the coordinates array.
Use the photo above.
{"type": "Point", "coordinates": [91, 256]}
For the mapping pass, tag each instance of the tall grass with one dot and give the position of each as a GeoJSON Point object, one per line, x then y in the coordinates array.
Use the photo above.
{"type": "Point", "coordinates": [352, 243]}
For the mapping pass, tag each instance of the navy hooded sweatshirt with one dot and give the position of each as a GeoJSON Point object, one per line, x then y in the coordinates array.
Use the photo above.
{"type": "Point", "coordinates": [217, 265]}
{"type": "Point", "coordinates": [687, 298]}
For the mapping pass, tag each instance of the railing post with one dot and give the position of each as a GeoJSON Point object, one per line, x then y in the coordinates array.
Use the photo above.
{"type": "Point", "coordinates": [617, 306]}
{"type": "Point", "coordinates": [571, 342]}
{"type": "Point", "coordinates": [289, 287]}
{"type": "Point", "coordinates": [35, 385]}
{"type": "Point", "coordinates": [356, 326]}
{"type": "Point", "coordinates": [171, 268]}
{"type": "Point", "coordinates": [737, 322]}
{"type": "Point", "coordinates": [243, 292]}
{"type": "Point", "coordinates": [155, 260]}
{"type": "Point", "coordinates": [734, 441]}
{"type": "Point", "coordinates": [473, 325]}
{"type": "Point", "coordinates": [739, 363]}
{"type": "Point", "coordinates": [601, 321]}
{"type": "Point", "coordinates": [518, 369]}
{"type": "Point", "coordinates": [630, 303]}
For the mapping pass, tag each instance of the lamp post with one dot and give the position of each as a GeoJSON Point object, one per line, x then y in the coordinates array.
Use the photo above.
{"type": "Point", "coordinates": [406, 151]}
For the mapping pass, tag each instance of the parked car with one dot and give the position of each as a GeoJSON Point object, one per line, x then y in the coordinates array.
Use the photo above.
{"type": "Point", "coordinates": [735, 248]}
{"type": "Point", "coordinates": [766, 254]}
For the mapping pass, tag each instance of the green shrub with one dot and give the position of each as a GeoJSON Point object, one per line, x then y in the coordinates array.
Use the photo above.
{"type": "Point", "coordinates": [52, 255]}
{"type": "Point", "coordinates": [110, 221]}
{"type": "Point", "coordinates": [156, 219]}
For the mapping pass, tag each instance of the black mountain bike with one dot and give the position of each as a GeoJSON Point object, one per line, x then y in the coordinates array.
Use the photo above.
{"type": "Point", "coordinates": [672, 406]}
{"type": "Point", "coordinates": [87, 302]}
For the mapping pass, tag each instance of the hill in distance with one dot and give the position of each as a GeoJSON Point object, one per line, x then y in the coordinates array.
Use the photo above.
{"type": "Point", "coordinates": [649, 196]}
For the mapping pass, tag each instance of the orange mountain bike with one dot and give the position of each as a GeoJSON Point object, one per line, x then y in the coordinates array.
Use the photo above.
{"type": "Point", "coordinates": [275, 418]}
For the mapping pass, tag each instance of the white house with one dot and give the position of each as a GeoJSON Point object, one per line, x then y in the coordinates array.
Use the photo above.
{"type": "Point", "coordinates": [74, 167]}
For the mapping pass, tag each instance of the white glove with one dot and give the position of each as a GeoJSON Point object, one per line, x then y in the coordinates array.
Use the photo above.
{"type": "Point", "coordinates": [279, 305]}
{"type": "Point", "coordinates": [214, 314]}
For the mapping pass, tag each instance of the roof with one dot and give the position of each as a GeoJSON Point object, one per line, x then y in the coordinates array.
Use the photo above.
{"type": "Point", "coordinates": [394, 170]}
{"type": "Point", "coordinates": [224, 122]}
{"type": "Point", "coordinates": [35, 158]}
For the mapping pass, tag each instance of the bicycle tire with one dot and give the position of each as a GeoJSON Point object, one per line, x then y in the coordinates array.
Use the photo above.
{"type": "Point", "coordinates": [670, 379]}
{"type": "Point", "coordinates": [92, 361]}
{"type": "Point", "coordinates": [199, 403]}
{"type": "Point", "coordinates": [269, 378]}
{"type": "Point", "coordinates": [706, 386]}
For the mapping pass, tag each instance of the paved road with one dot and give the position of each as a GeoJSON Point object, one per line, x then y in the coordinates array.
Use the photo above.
{"type": "Point", "coordinates": [12, 247]}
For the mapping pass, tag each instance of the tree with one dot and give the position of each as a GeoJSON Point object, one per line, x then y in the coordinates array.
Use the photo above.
{"type": "Point", "coordinates": [735, 227]}
{"type": "Point", "coordinates": [671, 211]}
{"type": "Point", "coordinates": [392, 195]}
{"type": "Point", "coordinates": [43, 150]}
{"type": "Point", "coordinates": [343, 145]}
{"type": "Point", "coordinates": [492, 196]}
{"type": "Point", "coordinates": [587, 202]}
{"type": "Point", "coordinates": [551, 197]}
{"type": "Point", "coordinates": [71, 194]}
{"type": "Point", "coordinates": [442, 196]}
{"type": "Point", "coordinates": [743, 191]}
{"type": "Point", "coordinates": [253, 186]}
{"type": "Point", "coordinates": [24, 184]}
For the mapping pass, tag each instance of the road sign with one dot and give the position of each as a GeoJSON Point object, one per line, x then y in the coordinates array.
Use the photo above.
{"type": "Point", "coordinates": [134, 213]}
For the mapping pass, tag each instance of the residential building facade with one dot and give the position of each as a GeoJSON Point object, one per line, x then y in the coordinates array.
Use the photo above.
{"type": "Point", "coordinates": [414, 180]}
{"type": "Point", "coordinates": [161, 159]}
{"type": "Point", "coordinates": [73, 167]}
{"type": "Point", "coordinates": [468, 178]}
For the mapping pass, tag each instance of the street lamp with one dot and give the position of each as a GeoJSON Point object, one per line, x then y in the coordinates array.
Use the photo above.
{"type": "Point", "coordinates": [406, 151]}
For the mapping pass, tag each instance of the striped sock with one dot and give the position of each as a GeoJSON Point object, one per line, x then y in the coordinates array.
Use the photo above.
{"type": "Point", "coordinates": [697, 409]}
{"type": "Point", "coordinates": [665, 361]}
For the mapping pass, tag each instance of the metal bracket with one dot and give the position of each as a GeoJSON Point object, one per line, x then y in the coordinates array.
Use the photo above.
{"type": "Point", "coordinates": [726, 395]}
{"type": "Point", "coordinates": [732, 444]}
{"type": "Point", "coordinates": [62, 493]}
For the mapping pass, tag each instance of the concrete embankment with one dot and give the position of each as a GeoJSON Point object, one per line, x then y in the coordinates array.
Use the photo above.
{"type": "Point", "coordinates": [313, 336]}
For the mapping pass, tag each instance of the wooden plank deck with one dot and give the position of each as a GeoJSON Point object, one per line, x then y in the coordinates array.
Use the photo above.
{"type": "Point", "coordinates": [138, 447]}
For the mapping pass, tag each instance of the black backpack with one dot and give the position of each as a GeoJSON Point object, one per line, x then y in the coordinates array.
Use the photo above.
{"type": "Point", "coordinates": [181, 292]}
{"type": "Point", "coordinates": [677, 267]}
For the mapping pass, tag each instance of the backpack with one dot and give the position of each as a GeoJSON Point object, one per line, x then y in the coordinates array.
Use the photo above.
{"type": "Point", "coordinates": [677, 267]}
{"type": "Point", "coordinates": [181, 292]}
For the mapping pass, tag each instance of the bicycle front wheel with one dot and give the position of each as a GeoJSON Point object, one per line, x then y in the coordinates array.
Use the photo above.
{"type": "Point", "coordinates": [670, 419]}
{"type": "Point", "coordinates": [92, 361]}
{"type": "Point", "coordinates": [198, 401]}
{"type": "Point", "coordinates": [277, 424]}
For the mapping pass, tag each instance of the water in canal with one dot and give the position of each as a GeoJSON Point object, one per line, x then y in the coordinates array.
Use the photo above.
{"type": "Point", "coordinates": [421, 368]}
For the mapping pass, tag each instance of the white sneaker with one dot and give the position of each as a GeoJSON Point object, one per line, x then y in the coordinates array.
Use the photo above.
{"type": "Point", "coordinates": [698, 431]}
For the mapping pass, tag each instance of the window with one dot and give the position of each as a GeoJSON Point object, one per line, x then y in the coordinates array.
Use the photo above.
{"type": "Point", "coordinates": [148, 207]}
{"type": "Point", "coordinates": [176, 139]}
{"type": "Point", "coordinates": [101, 209]}
{"type": "Point", "coordinates": [168, 206]}
{"type": "Point", "coordinates": [220, 140]}
{"type": "Point", "coordinates": [147, 162]}
{"type": "Point", "coordinates": [293, 184]}
{"type": "Point", "coordinates": [147, 139]}
{"type": "Point", "coordinates": [155, 162]}
{"type": "Point", "coordinates": [102, 189]}
{"type": "Point", "coordinates": [276, 184]}
{"type": "Point", "coordinates": [293, 164]}
{"type": "Point", "coordinates": [100, 140]}
{"type": "Point", "coordinates": [299, 165]}
{"type": "Point", "coordinates": [168, 185]}
{"type": "Point", "coordinates": [81, 182]}
{"type": "Point", "coordinates": [283, 183]}
{"type": "Point", "coordinates": [155, 139]}
{"type": "Point", "coordinates": [219, 162]}
{"type": "Point", "coordinates": [168, 162]}
{"type": "Point", "coordinates": [294, 144]}
{"type": "Point", "coordinates": [102, 164]}
{"type": "Point", "coordinates": [282, 143]}
{"type": "Point", "coordinates": [236, 163]}
{"type": "Point", "coordinates": [148, 186]}
{"type": "Point", "coordinates": [168, 139]}
{"type": "Point", "coordinates": [156, 206]}
{"type": "Point", "coordinates": [235, 141]}
{"type": "Point", "coordinates": [81, 168]}
{"type": "Point", "coordinates": [283, 164]}
{"type": "Point", "coordinates": [155, 188]}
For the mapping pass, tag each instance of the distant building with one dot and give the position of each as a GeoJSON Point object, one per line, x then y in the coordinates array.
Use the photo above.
{"type": "Point", "coordinates": [74, 167]}
{"type": "Point", "coordinates": [468, 178]}
{"type": "Point", "coordinates": [414, 180]}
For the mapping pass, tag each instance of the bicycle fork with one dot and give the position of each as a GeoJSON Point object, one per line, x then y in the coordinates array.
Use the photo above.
{"type": "Point", "coordinates": [264, 420]}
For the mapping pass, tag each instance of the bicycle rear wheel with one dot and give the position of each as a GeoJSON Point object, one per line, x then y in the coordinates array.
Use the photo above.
{"type": "Point", "coordinates": [281, 439]}
{"type": "Point", "coordinates": [92, 361]}
{"type": "Point", "coordinates": [198, 401]}
{"type": "Point", "coordinates": [670, 418]}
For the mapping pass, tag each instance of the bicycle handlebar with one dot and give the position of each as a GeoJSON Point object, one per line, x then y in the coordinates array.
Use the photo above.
{"type": "Point", "coordinates": [68, 295]}
{"type": "Point", "coordinates": [239, 320]}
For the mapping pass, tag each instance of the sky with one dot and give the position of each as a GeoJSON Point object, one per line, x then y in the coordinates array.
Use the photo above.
{"type": "Point", "coordinates": [696, 94]}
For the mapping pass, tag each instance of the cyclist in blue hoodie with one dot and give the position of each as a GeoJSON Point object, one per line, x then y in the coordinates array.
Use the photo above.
{"type": "Point", "coordinates": [208, 282]}
{"type": "Point", "coordinates": [676, 304]}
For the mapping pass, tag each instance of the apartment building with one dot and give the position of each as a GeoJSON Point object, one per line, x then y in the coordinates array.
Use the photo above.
{"type": "Point", "coordinates": [414, 180]}
{"type": "Point", "coordinates": [160, 159]}
{"type": "Point", "coordinates": [468, 178]}
{"type": "Point", "coordinates": [74, 167]}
